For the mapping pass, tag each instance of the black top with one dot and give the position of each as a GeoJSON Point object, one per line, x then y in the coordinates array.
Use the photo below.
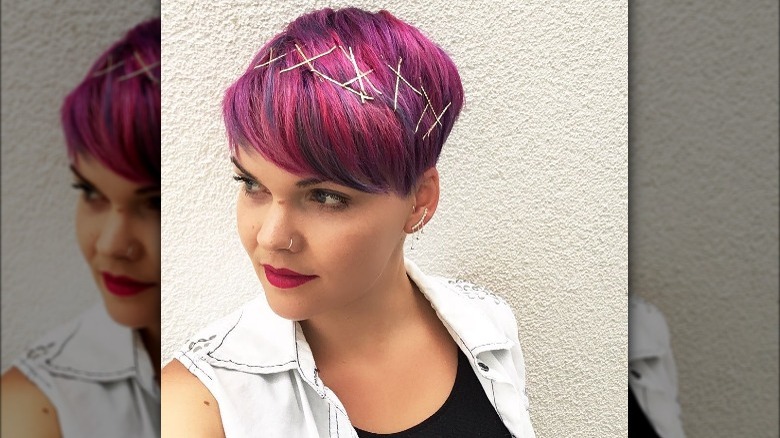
{"type": "Point", "coordinates": [467, 412]}
{"type": "Point", "coordinates": [638, 424]}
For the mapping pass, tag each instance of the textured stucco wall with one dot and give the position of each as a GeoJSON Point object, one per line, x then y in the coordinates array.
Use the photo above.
{"type": "Point", "coordinates": [704, 202]}
{"type": "Point", "coordinates": [47, 47]}
{"type": "Point", "coordinates": [534, 177]}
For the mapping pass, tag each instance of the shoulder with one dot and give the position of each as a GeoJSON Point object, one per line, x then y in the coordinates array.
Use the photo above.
{"type": "Point", "coordinates": [26, 411]}
{"type": "Point", "coordinates": [188, 407]}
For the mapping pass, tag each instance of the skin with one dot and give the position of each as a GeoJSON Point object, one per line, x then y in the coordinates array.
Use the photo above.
{"type": "Point", "coordinates": [113, 214]}
{"type": "Point", "coordinates": [367, 324]}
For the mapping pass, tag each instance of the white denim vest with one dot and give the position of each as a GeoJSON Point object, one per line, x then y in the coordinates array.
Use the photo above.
{"type": "Point", "coordinates": [260, 369]}
{"type": "Point", "coordinates": [652, 373]}
{"type": "Point", "coordinates": [98, 376]}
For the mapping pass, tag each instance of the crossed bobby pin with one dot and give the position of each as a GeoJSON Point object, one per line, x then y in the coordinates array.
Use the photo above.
{"type": "Point", "coordinates": [359, 78]}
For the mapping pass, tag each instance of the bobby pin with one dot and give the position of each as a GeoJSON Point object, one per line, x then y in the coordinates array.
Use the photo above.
{"type": "Point", "coordinates": [421, 117]}
{"type": "Point", "coordinates": [111, 67]}
{"type": "Point", "coordinates": [437, 120]}
{"type": "Point", "coordinates": [307, 60]}
{"type": "Point", "coordinates": [346, 87]}
{"type": "Point", "coordinates": [371, 83]}
{"type": "Point", "coordinates": [144, 69]}
{"type": "Point", "coordinates": [361, 75]}
{"type": "Point", "coordinates": [358, 73]}
{"type": "Point", "coordinates": [429, 103]}
{"type": "Point", "coordinates": [398, 73]}
{"type": "Point", "coordinates": [270, 59]}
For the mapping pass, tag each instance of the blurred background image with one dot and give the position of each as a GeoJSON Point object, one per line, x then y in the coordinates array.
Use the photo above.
{"type": "Point", "coordinates": [66, 323]}
{"type": "Point", "coordinates": [703, 212]}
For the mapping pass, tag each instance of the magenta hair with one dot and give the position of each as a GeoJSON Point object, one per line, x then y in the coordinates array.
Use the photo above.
{"type": "Point", "coordinates": [113, 115]}
{"type": "Point", "coordinates": [308, 124]}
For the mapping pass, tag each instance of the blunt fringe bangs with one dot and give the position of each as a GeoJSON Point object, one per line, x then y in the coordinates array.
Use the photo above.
{"type": "Point", "coordinates": [293, 105]}
{"type": "Point", "coordinates": [113, 115]}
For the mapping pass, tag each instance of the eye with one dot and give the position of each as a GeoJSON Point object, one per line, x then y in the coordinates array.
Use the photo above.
{"type": "Point", "coordinates": [250, 186]}
{"type": "Point", "coordinates": [330, 200]}
{"type": "Point", "coordinates": [88, 193]}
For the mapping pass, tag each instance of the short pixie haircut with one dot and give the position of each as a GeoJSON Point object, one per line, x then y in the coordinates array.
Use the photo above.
{"type": "Point", "coordinates": [113, 115]}
{"type": "Point", "coordinates": [361, 99]}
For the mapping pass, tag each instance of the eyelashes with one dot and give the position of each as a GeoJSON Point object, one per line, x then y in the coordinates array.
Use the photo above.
{"type": "Point", "coordinates": [324, 199]}
{"type": "Point", "coordinates": [88, 193]}
{"type": "Point", "coordinates": [249, 187]}
{"type": "Point", "coordinates": [92, 196]}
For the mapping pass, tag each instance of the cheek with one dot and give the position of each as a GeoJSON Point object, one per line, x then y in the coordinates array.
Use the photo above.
{"type": "Point", "coordinates": [248, 224]}
{"type": "Point", "coordinates": [150, 236]}
{"type": "Point", "coordinates": [87, 230]}
{"type": "Point", "coordinates": [365, 242]}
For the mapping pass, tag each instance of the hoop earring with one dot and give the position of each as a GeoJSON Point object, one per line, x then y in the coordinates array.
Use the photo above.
{"type": "Point", "coordinates": [417, 228]}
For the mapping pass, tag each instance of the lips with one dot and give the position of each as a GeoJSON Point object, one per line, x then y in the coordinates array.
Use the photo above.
{"type": "Point", "coordinates": [124, 286]}
{"type": "Point", "coordinates": [285, 278]}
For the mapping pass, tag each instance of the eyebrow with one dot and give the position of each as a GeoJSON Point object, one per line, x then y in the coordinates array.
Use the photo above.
{"type": "Point", "coordinates": [140, 191]}
{"type": "Point", "coordinates": [300, 184]}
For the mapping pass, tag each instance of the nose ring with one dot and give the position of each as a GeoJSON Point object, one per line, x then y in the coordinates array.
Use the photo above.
{"type": "Point", "coordinates": [290, 245]}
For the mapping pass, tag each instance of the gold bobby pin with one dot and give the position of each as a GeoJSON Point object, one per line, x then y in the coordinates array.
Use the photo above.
{"type": "Point", "coordinates": [421, 117]}
{"type": "Point", "coordinates": [358, 73]}
{"type": "Point", "coordinates": [348, 88]}
{"type": "Point", "coordinates": [111, 67]}
{"type": "Point", "coordinates": [270, 59]}
{"type": "Point", "coordinates": [144, 69]}
{"type": "Point", "coordinates": [307, 60]}
{"type": "Point", "coordinates": [398, 73]}
{"type": "Point", "coordinates": [429, 103]}
{"type": "Point", "coordinates": [437, 119]}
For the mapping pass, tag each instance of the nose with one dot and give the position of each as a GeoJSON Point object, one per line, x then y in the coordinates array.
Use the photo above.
{"type": "Point", "coordinates": [276, 228]}
{"type": "Point", "coordinates": [116, 238]}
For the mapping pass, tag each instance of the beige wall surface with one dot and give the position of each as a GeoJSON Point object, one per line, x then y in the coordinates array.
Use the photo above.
{"type": "Point", "coordinates": [47, 48]}
{"type": "Point", "coordinates": [534, 181]}
{"type": "Point", "coordinates": [704, 202]}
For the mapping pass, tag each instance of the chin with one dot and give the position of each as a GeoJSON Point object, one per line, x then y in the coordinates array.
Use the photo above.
{"type": "Point", "coordinates": [135, 313]}
{"type": "Point", "coordinates": [288, 309]}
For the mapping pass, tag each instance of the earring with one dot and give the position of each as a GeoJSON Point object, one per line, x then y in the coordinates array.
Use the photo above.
{"type": "Point", "coordinates": [418, 227]}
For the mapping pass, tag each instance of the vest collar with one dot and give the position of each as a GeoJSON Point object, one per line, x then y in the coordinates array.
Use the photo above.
{"type": "Point", "coordinates": [256, 340]}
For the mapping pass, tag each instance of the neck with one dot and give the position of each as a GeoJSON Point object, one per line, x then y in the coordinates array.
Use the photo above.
{"type": "Point", "coordinates": [368, 326]}
{"type": "Point", "coordinates": [150, 336]}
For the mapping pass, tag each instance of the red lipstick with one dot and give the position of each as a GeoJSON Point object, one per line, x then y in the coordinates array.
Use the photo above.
{"type": "Point", "coordinates": [124, 286]}
{"type": "Point", "coordinates": [285, 278]}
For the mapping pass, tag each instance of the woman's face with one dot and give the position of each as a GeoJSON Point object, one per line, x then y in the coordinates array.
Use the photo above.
{"type": "Point", "coordinates": [118, 228]}
{"type": "Point", "coordinates": [343, 240]}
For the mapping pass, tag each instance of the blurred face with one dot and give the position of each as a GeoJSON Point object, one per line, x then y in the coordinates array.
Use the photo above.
{"type": "Point", "coordinates": [118, 228]}
{"type": "Point", "coordinates": [316, 246]}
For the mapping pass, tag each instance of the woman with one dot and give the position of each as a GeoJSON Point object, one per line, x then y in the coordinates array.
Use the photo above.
{"type": "Point", "coordinates": [97, 375]}
{"type": "Point", "coordinates": [653, 408]}
{"type": "Point", "coordinates": [334, 130]}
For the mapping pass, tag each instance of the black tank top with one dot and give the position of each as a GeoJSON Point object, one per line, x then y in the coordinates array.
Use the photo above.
{"type": "Point", "coordinates": [467, 412]}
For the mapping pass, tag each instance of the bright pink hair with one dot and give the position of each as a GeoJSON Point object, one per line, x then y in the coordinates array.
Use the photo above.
{"type": "Point", "coordinates": [113, 115]}
{"type": "Point", "coordinates": [309, 125]}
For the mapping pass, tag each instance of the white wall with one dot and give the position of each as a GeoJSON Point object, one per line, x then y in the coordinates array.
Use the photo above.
{"type": "Point", "coordinates": [47, 48]}
{"type": "Point", "coordinates": [704, 202]}
{"type": "Point", "coordinates": [534, 177]}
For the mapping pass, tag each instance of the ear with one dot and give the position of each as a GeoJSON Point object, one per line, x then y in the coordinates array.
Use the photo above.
{"type": "Point", "coordinates": [425, 196]}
